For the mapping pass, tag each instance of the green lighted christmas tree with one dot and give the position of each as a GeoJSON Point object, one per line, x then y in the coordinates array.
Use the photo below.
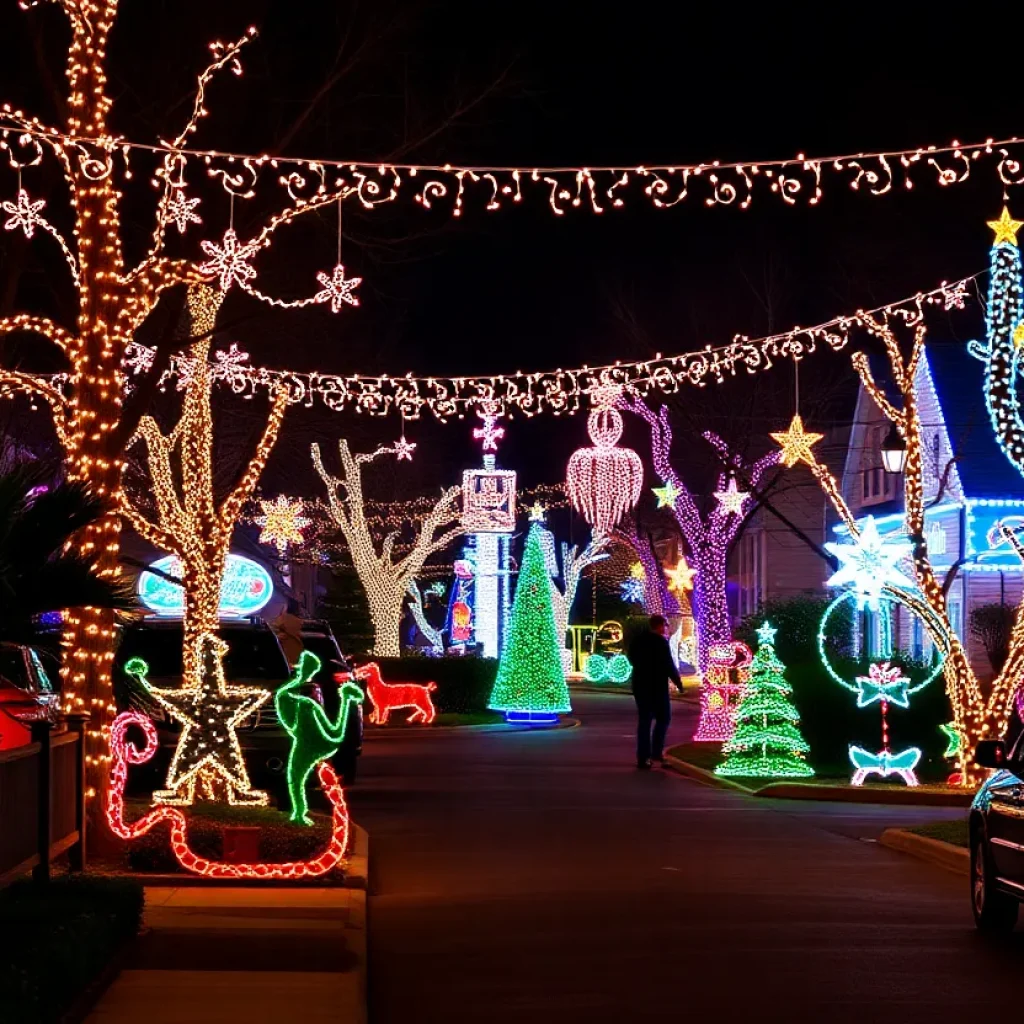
{"type": "Point", "coordinates": [531, 681]}
{"type": "Point", "coordinates": [767, 743]}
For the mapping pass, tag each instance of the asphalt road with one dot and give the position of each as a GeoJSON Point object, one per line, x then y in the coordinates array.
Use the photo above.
{"type": "Point", "coordinates": [538, 877]}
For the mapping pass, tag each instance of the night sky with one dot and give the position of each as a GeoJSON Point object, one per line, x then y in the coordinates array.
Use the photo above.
{"type": "Point", "coordinates": [553, 84]}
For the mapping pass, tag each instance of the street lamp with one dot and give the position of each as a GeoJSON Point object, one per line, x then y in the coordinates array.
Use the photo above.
{"type": "Point", "coordinates": [894, 451]}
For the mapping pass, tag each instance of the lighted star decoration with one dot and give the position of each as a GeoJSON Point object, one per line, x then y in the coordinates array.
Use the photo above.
{"type": "Point", "coordinates": [490, 433]}
{"type": "Point", "coordinates": [949, 730]}
{"type": "Point", "coordinates": [731, 500]}
{"type": "Point", "coordinates": [230, 260]}
{"type": "Point", "coordinates": [667, 495]}
{"type": "Point", "coordinates": [796, 443]}
{"type": "Point", "coordinates": [209, 714]}
{"type": "Point", "coordinates": [404, 449]}
{"type": "Point", "coordinates": [631, 590]}
{"type": "Point", "coordinates": [281, 522]}
{"type": "Point", "coordinates": [537, 512]}
{"type": "Point", "coordinates": [766, 633]}
{"type": "Point", "coordinates": [869, 564]}
{"type": "Point", "coordinates": [637, 571]}
{"type": "Point", "coordinates": [681, 577]}
{"type": "Point", "coordinates": [24, 214]}
{"type": "Point", "coordinates": [1018, 335]}
{"type": "Point", "coordinates": [181, 210]}
{"type": "Point", "coordinates": [1006, 228]}
{"type": "Point", "coordinates": [338, 289]}
{"type": "Point", "coordinates": [884, 682]}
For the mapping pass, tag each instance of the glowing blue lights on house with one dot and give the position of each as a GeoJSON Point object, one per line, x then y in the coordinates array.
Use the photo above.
{"type": "Point", "coordinates": [246, 589]}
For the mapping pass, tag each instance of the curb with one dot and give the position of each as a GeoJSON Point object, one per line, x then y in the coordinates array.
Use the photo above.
{"type": "Point", "coordinates": [357, 871]}
{"type": "Point", "coordinates": [910, 796]}
{"type": "Point", "coordinates": [953, 858]}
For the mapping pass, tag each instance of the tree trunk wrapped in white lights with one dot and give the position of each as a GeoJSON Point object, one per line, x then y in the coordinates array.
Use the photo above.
{"type": "Point", "coordinates": [384, 578]}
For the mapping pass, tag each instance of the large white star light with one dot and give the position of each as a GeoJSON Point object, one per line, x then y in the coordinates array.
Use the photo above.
{"type": "Point", "coordinates": [869, 564]}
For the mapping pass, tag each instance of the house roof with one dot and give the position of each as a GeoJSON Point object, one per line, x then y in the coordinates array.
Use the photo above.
{"type": "Point", "coordinates": [985, 472]}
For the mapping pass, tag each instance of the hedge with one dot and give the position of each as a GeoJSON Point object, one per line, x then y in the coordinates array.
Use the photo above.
{"type": "Point", "coordinates": [56, 940]}
{"type": "Point", "coordinates": [463, 684]}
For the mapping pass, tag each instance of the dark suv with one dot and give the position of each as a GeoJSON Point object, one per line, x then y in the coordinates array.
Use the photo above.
{"type": "Point", "coordinates": [997, 837]}
{"type": "Point", "coordinates": [254, 658]}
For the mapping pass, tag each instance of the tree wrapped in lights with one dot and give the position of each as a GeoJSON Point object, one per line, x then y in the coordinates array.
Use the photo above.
{"type": "Point", "coordinates": [604, 482]}
{"type": "Point", "coordinates": [658, 598]}
{"type": "Point", "coordinates": [767, 742]}
{"type": "Point", "coordinates": [114, 299]}
{"type": "Point", "coordinates": [574, 562]}
{"type": "Point", "coordinates": [708, 536]}
{"type": "Point", "coordinates": [188, 522]}
{"type": "Point", "coordinates": [531, 681]}
{"type": "Point", "coordinates": [385, 576]}
{"type": "Point", "coordinates": [979, 712]}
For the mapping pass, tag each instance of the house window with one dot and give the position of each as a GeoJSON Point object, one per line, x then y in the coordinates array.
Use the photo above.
{"type": "Point", "coordinates": [936, 468]}
{"type": "Point", "coordinates": [955, 618]}
{"type": "Point", "coordinates": [917, 640]}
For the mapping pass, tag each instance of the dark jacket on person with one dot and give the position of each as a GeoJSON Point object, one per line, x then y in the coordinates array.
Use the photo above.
{"type": "Point", "coordinates": [653, 667]}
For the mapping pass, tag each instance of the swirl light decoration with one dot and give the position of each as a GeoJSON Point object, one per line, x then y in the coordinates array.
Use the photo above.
{"type": "Point", "coordinates": [604, 482]}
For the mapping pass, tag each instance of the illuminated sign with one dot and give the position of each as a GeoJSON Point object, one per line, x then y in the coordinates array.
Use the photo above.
{"type": "Point", "coordinates": [246, 588]}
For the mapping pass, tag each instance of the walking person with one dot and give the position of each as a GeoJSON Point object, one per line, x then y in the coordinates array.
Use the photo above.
{"type": "Point", "coordinates": [653, 667]}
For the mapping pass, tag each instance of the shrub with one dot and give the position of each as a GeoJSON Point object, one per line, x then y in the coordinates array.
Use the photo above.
{"type": "Point", "coordinates": [279, 840]}
{"type": "Point", "coordinates": [56, 940]}
{"type": "Point", "coordinates": [992, 624]}
{"type": "Point", "coordinates": [463, 684]}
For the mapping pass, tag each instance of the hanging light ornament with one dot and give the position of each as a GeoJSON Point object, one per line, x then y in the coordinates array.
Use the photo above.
{"type": "Point", "coordinates": [604, 482]}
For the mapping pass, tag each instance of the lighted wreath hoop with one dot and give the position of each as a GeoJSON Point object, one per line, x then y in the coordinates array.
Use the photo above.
{"type": "Point", "coordinates": [601, 669]}
{"type": "Point", "coordinates": [847, 595]}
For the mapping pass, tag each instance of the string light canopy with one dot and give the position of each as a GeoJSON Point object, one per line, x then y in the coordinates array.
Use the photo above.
{"type": "Point", "coordinates": [604, 482]}
{"type": "Point", "coordinates": [800, 180]}
{"type": "Point", "coordinates": [560, 391]}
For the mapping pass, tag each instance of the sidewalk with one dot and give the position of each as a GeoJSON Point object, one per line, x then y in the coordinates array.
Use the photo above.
{"type": "Point", "coordinates": [252, 955]}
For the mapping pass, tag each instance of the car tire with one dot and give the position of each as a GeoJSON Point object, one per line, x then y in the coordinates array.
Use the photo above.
{"type": "Point", "coordinates": [995, 913]}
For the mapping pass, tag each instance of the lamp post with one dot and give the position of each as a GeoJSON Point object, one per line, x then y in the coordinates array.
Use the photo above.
{"type": "Point", "coordinates": [894, 451]}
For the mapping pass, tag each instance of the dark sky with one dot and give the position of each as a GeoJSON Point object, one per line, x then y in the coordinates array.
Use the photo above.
{"type": "Point", "coordinates": [574, 84]}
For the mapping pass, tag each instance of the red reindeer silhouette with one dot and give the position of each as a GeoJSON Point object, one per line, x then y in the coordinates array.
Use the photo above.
{"type": "Point", "coordinates": [386, 697]}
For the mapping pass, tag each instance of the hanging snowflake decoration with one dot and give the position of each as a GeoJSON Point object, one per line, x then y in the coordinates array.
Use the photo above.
{"type": "Point", "coordinates": [282, 522]}
{"type": "Point", "coordinates": [181, 209]}
{"type": "Point", "coordinates": [631, 590]}
{"type": "Point", "coordinates": [490, 433]}
{"type": "Point", "coordinates": [604, 482]}
{"type": "Point", "coordinates": [404, 449]}
{"type": "Point", "coordinates": [24, 214]}
{"type": "Point", "coordinates": [230, 260]}
{"type": "Point", "coordinates": [232, 367]}
{"type": "Point", "coordinates": [869, 564]}
{"type": "Point", "coordinates": [338, 289]}
{"type": "Point", "coordinates": [139, 359]}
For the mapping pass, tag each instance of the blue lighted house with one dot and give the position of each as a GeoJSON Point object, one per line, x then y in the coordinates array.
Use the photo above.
{"type": "Point", "coordinates": [968, 496]}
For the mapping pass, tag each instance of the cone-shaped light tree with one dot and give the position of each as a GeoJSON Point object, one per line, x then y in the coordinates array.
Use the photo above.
{"type": "Point", "coordinates": [531, 681]}
{"type": "Point", "coordinates": [767, 742]}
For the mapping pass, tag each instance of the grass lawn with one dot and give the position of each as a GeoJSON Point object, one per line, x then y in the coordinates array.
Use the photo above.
{"type": "Point", "coordinates": [709, 755]}
{"type": "Point", "coordinates": [954, 832]}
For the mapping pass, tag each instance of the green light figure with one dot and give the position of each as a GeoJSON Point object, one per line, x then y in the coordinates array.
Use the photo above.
{"type": "Point", "coordinates": [314, 736]}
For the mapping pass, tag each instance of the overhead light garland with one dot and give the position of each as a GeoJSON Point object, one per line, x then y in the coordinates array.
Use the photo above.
{"type": "Point", "coordinates": [561, 391]}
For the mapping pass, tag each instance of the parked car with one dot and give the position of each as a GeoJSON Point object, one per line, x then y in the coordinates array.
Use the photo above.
{"type": "Point", "coordinates": [254, 658]}
{"type": "Point", "coordinates": [27, 694]}
{"type": "Point", "coordinates": [319, 639]}
{"type": "Point", "coordinates": [997, 837]}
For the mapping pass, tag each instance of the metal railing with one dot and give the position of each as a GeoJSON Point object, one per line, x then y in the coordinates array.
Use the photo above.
{"type": "Point", "coordinates": [42, 801]}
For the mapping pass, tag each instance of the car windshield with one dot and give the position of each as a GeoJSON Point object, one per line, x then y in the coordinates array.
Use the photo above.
{"type": "Point", "coordinates": [252, 653]}
{"type": "Point", "coordinates": [12, 668]}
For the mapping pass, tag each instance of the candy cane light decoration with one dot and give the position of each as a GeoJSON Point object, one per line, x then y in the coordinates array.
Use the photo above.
{"type": "Point", "coordinates": [604, 482]}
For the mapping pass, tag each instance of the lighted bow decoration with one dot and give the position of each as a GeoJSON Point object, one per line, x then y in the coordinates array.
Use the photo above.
{"type": "Point", "coordinates": [884, 764]}
{"type": "Point", "coordinates": [884, 683]}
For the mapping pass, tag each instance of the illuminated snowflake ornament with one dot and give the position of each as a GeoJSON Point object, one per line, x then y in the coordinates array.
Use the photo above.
{"type": "Point", "coordinates": [604, 482]}
{"type": "Point", "coordinates": [181, 210]}
{"type": "Point", "coordinates": [338, 290]}
{"type": "Point", "coordinates": [404, 449]}
{"type": "Point", "coordinates": [631, 590]}
{"type": "Point", "coordinates": [490, 433]}
{"type": "Point", "coordinates": [24, 214]}
{"type": "Point", "coordinates": [869, 564]}
{"type": "Point", "coordinates": [229, 261]}
{"type": "Point", "coordinates": [282, 522]}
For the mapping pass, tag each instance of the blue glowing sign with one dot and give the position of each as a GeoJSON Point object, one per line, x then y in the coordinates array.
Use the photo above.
{"type": "Point", "coordinates": [246, 588]}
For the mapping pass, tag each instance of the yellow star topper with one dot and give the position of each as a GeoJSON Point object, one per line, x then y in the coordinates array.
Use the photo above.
{"type": "Point", "coordinates": [282, 522]}
{"type": "Point", "coordinates": [796, 443]}
{"type": "Point", "coordinates": [681, 577]}
{"type": "Point", "coordinates": [1006, 228]}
